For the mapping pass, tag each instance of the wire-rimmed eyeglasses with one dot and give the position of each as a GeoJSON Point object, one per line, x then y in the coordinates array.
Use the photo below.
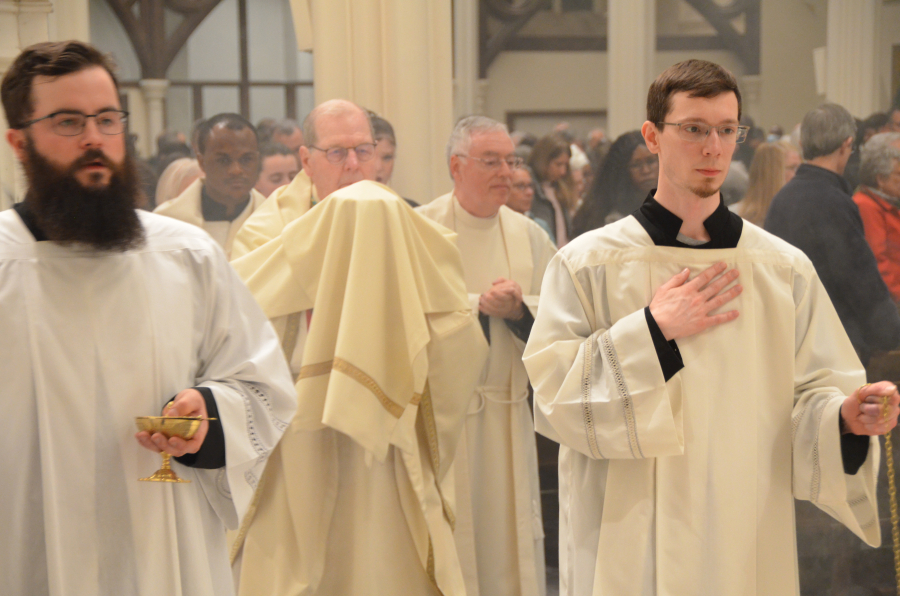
{"type": "Point", "coordinates": [697, 132]}
{"type": "Point", "coordinates": [69, 123]}
{"type": "Point", "coordinates": [364, 152]}
{"type": "Point", "coordinates": [495, 163]}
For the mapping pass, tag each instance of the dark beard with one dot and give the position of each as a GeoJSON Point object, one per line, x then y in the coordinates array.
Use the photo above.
{"type": "Point", "coordinates": [68, 212]}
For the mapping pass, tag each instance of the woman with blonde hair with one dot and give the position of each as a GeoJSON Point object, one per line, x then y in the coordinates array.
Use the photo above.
{"type": "Point", "coordinates": [177, 176]}
{"type": "Point", "coordinates": [766, 179]}
{"type": "Point", "coordinates": [554, 188]}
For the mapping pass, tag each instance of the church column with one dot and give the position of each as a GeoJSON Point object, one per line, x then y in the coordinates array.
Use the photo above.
{"type": "Point", "coordinates": [631, 48]}
{"type": "Point", "coordinates": [70, 20]}
{"type": "Point", "coordinates": [396, 58]}
{"type": "Point", "coordinates": [22, 23]}
{"type": "Point", "coordinates": [465, 60]}
{"type": "Point", "coordinates": [851, 55]}
{"type": "Point", "coordinates": [154, 91]}
{"type": "Point", "coordinates": [34, 17]}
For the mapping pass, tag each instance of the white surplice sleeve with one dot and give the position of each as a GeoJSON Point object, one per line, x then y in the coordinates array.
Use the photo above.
{"type": "Point", "coordinates": [241, 361]}
{"type": "Point", "coordinates": [598, 387]}
{"type": "Point", "coordinates": [826, 370]}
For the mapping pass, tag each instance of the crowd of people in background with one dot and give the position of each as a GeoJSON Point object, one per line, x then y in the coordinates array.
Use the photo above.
{"type": "Point", "coordinates": [568, 183]}
{"type": "Point", "coordinates": [414, 398]}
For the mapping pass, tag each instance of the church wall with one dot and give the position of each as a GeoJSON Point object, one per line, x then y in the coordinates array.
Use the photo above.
{"type": "Point", "coordinates": [565, 81]}
{"type": "Point", "coordinates": [782, 93]}
{"type": "Point", "coordinates": [790, 33]}
{"type": "Point", "coordinates": [545, 81]}
{"type": "Point", "coordinates": [890, 37]}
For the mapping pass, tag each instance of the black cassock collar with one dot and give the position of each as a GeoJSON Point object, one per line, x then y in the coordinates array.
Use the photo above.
{"type": "Point", "coordinates": [723, 226]}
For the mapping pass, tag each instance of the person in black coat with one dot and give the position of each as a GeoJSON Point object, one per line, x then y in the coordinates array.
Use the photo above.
{"type": "Point", "coordinates": [815, 213]}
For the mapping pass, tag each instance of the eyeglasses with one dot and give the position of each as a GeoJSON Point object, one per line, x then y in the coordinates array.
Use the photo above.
{"type": "Point", "coordinates": [364, 152]}
{"type": "Point", "coordinates": [649, 163]}
{"type": "Point", "coordinates": [68, 123]}
{"type": "Point", "coordinates": [521, 186]}
{"type": "Point", "coordinates": [696, 132]}
{"type": "Point", "coordinates": [495, 163]}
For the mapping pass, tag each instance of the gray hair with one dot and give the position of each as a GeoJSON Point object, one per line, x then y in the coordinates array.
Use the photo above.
{"type": "Point", "coordinates": [465, 129]}
{"type": "Point", "coordinates": [331, 107]}
{"type": "Point", "coordinates": [878, 157]}
{"type": "Point", "coordinates": [286, 127]}
{"type": "Point", "coordinates": [825, 129]}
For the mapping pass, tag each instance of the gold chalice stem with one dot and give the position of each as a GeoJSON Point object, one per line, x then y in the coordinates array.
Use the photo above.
{"type": "Point", "coordinates": [165, 473]}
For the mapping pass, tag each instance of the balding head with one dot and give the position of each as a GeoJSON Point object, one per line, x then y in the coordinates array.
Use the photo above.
{"type": "Point", "coordinates": [333, 108]}
{"type": "Point", "coordinates": [334, 128]}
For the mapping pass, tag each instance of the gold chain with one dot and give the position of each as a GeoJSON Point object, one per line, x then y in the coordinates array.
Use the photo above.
{"type": "Point", "coordinates": [892, 491]}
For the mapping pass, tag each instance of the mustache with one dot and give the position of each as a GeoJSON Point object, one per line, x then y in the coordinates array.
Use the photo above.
{"type": "Point", "coordinates": [89, 157]}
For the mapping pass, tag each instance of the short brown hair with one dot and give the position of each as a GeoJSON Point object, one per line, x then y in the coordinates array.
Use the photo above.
{"type": "Point", "coordinates": [49, 59]}
{"type": "Point", "coordinates": [698, 77]}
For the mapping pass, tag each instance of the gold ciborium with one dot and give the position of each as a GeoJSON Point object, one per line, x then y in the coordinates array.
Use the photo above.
{"type": "Point", "coordinates": [168, 426]}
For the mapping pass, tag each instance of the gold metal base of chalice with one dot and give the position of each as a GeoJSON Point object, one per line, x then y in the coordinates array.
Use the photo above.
{"type": "Point", "coordinates": [168, 426]}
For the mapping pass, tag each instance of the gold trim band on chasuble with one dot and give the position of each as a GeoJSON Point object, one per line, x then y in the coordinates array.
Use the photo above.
{"type": "Point", "coordinates": [340, 365]}
{"type": "Point", "coordinates": [427, 411]}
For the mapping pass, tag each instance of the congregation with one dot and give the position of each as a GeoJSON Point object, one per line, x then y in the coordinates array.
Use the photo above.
{"type": "Point", "coordinates": [691, 313]}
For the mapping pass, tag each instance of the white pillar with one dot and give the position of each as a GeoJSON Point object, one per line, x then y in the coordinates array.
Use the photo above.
{"type": "Point", "coordinates": [465, 60]}
{"type": "Point", "coordinates": [22, 23]}
{"type": "Point", "coordinates": [631, 48]}
{"type": "Point", "coordinates": [154, 91]}
{"type": "Point", "coordinates": [70, 20]}
{"type": "Point", "coordinates": [853, 31]}
{"type": "Point", "coordinates": [394, 57]}
{"type": "Point", "coordinates": [34, 17]}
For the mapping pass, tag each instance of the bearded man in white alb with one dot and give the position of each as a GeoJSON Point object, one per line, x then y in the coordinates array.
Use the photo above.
{"type": "Point", "coordinates": [499, 528]}
{"type": "Point", "coordinates": [692, 410]}
{"type": "Point", "coordinates": [109, 314]}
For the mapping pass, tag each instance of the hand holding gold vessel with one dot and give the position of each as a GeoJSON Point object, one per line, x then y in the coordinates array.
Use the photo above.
{"type": "Point", "coordinates": [188, 403]}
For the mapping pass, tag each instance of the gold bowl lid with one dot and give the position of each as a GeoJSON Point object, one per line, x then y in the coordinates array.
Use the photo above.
{"type": "Point", "coordinates": [170, 426]}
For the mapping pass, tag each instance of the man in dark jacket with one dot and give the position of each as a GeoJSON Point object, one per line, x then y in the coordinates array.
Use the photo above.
{"type": "Point", "coordinates": [815, 213]}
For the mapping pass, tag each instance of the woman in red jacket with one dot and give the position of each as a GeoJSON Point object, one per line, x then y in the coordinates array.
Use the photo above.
{"type": "Point", "coordinates": [878, 199]}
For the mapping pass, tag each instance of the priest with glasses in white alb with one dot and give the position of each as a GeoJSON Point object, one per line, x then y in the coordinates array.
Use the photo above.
{"type": "Point", "coordinates": [499, 530]}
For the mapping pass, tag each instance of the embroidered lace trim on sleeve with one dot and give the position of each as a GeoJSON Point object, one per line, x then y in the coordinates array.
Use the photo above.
{"type": "Point", "coordinates": [609, 351]}
{"type": "Point", "coordinates": [586, 407]}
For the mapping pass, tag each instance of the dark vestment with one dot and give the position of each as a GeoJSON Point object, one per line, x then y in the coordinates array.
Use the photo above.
{"type": "Point", "coordinates": [815, 213]}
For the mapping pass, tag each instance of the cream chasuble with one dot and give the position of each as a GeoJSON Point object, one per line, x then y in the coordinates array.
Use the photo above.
{"type": "Point", "coordinates": [356, 500]}
{"type": "Point", "coordinates": [499, 531]}
{"type": "Point", "coordinates": [89, 341]}
{"type": "Point", "coordinates": [687, 487]}
{"type": "Point", "coordinates": [283, 206]}
{"type": "Point", "coordinates": [187, 207]}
